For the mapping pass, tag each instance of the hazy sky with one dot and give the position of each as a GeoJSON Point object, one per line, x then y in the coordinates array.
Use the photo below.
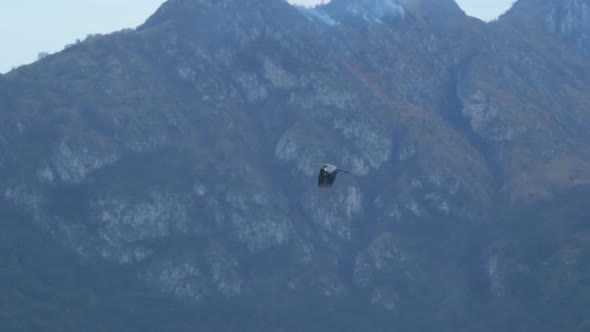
{"type": "Point", "coordinates": [28, 27]}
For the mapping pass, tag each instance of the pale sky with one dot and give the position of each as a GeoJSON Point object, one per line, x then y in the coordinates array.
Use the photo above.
{"type": "Point", "coordinates": [28, 27]}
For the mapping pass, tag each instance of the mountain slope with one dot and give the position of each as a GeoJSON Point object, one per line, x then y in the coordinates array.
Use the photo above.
{"type": "Point", "coordinates": [179, 160]}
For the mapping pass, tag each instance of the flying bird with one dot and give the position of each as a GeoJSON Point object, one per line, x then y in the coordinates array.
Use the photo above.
{"type": "Point", "coordinates": [328, 174]}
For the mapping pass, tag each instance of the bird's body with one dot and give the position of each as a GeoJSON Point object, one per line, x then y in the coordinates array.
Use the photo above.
{"type": "Point", "coordinates": [328, 174]}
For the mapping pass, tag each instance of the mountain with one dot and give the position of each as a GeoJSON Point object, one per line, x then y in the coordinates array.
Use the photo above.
{"type": "Point", "coordinates": [164, 178]}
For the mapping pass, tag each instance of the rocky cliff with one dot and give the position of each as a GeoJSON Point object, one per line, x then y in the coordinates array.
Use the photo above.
{"type": "Point", "coordinates": [165, 177]}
